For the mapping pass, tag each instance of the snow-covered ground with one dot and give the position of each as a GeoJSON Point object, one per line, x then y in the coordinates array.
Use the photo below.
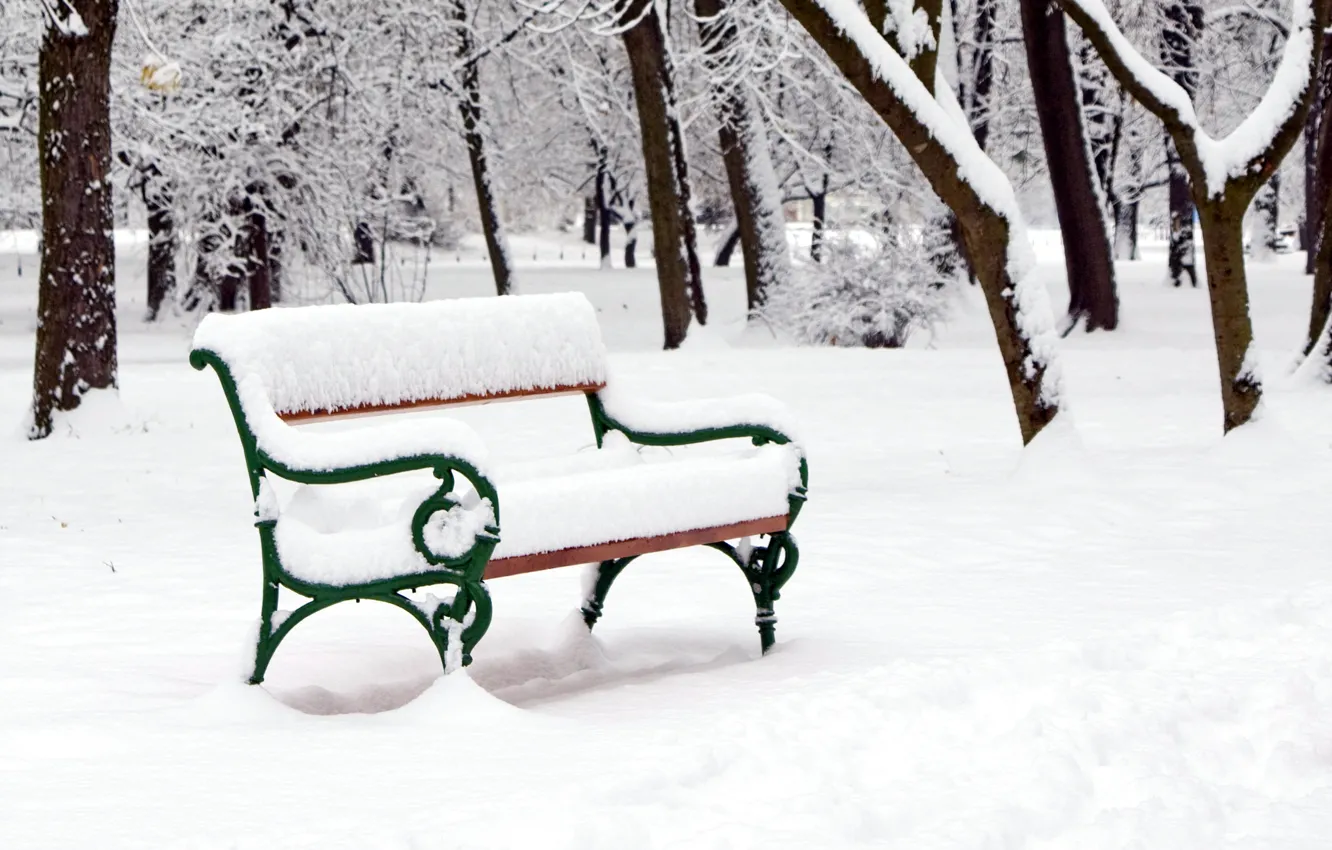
{"type": "Point", "coordinates": [1121, 637]}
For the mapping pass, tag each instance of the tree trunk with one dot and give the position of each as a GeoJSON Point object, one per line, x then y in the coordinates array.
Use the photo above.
{"type": "Point", "coordinates": [727, 248]}
{"type": "Point", "coordinates": [645, 44]}
{"type": "Point", "coordinates": [987, 233]}
{"type": "Point", "coordinates": [1184, 23]}
{"type": "Point", "coordinates": [1321, 251]}
{"type": "Point", "coordinates": [1267, 212]}
{"type": "Point", "coordinates": [590, 217]}
{"type": "Point", "coordinates": [631, 240]}
{"type": "Point", "coordinates": [978, 105]}
{"type": "Point", "coordinates": [1090, 268]}
{"type": "Point", "coordinates": [749, 174]}
{"type": "Point", "coordinates": [602, 209]}
{"type": "Point", "coordinates": [820, 201]}
{"type": "Point", "coordinates": [1227, 287]}
{"type": "Point", "coordinates": [1126, 229]}
{"type": "Point", "coordinates": [470, 107]}
{"type": "Point", "coordinates": [258, 263]}
{"type": "Point", "coordinates": [163, 244]}
{"type": "Point", "coordinates": [76, 306]}
{"type": "Point", "coordinates": [1180, 256]}
{"type": "Point", "coordinates": [1317, 162]}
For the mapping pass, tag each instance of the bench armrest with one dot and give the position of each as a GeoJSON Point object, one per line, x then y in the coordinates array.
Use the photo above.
{"type": "Point", "coordinates": [759, 417]}
{"type": "Point", "coordinates": [380, 448]}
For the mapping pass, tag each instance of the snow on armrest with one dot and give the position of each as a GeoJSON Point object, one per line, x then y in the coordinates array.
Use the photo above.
{"type": "Point", "coordinates": [317, 451]}
{"type": "Point", "coordinates": [753, 410]}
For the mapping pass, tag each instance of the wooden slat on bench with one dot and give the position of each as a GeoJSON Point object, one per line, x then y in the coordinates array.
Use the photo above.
{"type": "Point", "coordinates": [638, 546]}
{"type": "Point", "coordinates": [428, 403]}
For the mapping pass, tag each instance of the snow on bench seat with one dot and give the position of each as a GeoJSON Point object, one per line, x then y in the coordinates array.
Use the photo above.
{"type": "Point", "coordinates": [594, 497]}
{"type": "Point", "coordinates": [351, 358]}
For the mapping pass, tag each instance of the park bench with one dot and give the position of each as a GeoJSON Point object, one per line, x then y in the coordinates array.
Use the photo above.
{"type": "Point", "coordinates": [471, 520]}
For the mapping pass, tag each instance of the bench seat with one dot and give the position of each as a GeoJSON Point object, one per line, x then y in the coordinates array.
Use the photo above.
{"type": "Point", "coordinates": [349, 535]}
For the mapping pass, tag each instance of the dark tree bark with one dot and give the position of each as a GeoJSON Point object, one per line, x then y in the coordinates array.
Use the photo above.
{"type": "Point", "coordinates": [727, 248]}
{"type": "Point", "coordinates": [363, 244]}
{"type": "Point", "coordinates": [978, 104]}
{"type": "Point", "coordinates": [469, 104]}
{"type": "Point", "coordinates": [602, 207]}
{"type": "Point", "coordinates": [985, 229]}
{"type": "Point", "coordinates": [1180, 254]}
{"type": "Point", "coordinates": [678, 274]}
{"type": "Point", "coordinates": [163, 243]}
{"type": "Point", "coordinates": [1184, 23]}
{"type": "Point", "coordinates": [1320, 314]}
{"type": "Point", "coordinates": [1317, 164]}
{"type": "Point", "coordinates": [1087, 259]}
{"type": "Point", "coordinates": [819, 199]}
{"type": "Point", "coordinates": [259, 263]}
{"type": "Point", "coordinates": [744, 146]}
{"type": "Point", "coordinates": [76, 304]}
{"type": "Point", "coordinates": [590, 218]}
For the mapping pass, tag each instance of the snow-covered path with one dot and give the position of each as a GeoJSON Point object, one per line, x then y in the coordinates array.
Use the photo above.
{"type": "Point", "coordinates": [1121, 638]}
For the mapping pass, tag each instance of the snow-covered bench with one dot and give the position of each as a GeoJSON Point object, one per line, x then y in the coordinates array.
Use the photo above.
{"type": "Point", "coordinates": [479, 520]}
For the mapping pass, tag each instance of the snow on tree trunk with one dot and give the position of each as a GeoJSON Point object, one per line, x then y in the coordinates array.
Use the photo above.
{"type": "Point", "coordinates": [1224, 174]}
{"type": "Point", "coordinates": [1126, 230]}
{"type": "Point", "coordinates": [968, 182]}
{"type": "Point", "coordinates": [744, 147]}
{"type": "Point", "coordinates": [1180, 254]}
{"type": "Point", "coordinates": [672, 230]}
{"type": "Point", "coordinates": [163, 243]}
{"type": "Point", "coordinates": [1267, 212]}
{"type": "Point", "coordinates": [603, 216]}
{"type": "Point", "coordinates": [1184, 23]}
{"type": "Point", "coordinates": [469, 104]}
{"type": "Point", "coordinates": [1087, 261]}
{"type": "Point", "coordinates": [76, 319]}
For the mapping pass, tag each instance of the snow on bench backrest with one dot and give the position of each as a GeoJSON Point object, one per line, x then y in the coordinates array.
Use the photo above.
{"type": "Point", "coordinates": [346, 358]}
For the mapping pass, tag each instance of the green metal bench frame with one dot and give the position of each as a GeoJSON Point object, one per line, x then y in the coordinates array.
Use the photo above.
{"type": "Point", "coordinates": [457, 626]}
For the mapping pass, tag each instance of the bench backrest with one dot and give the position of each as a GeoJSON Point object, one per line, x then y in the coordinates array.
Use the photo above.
{"type": "Point", "coordinates": [347, 359]}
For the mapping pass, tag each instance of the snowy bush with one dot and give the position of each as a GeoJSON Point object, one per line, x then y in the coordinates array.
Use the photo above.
{"type": "Point", "coordinates": [870, 290]}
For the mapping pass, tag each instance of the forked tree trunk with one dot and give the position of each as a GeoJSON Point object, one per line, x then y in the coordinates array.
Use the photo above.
{"type": "Point", "coordinates": [76, 302]}
{"type": "Point", "coordinates": [645, 44]}
{"type": "Point", "coordinates": [1221, 204]}
{"type": "Point", "coordinates": [744, 146]}
{"type": "Point", "coordinates": [985, 229]}
{"type": "Point", "coordinates": [469, 104]}
{"type": "Point", "coordinates": [1090, 268]}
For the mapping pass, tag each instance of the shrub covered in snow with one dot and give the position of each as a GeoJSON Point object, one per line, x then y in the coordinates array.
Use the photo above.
{"type": "Point", "coordinates": [871, 289]}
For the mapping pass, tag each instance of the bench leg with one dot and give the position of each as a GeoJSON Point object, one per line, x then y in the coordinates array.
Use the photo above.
{"type": "Point", "coordinates": [766, 568]}
{"type": "Point", "coordinates": [605, 575]}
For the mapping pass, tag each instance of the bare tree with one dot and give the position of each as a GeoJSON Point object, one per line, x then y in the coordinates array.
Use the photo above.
{"type": "Point", "coordinates": [679, 275]}
{"type": "Point", "coordinates": [1224, 175]}
{"type": "Point", "coordinates": [887, 60]}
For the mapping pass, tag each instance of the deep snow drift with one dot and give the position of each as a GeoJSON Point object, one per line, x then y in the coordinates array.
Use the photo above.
{"type": "Point", "coordinates": [1121, 637]}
